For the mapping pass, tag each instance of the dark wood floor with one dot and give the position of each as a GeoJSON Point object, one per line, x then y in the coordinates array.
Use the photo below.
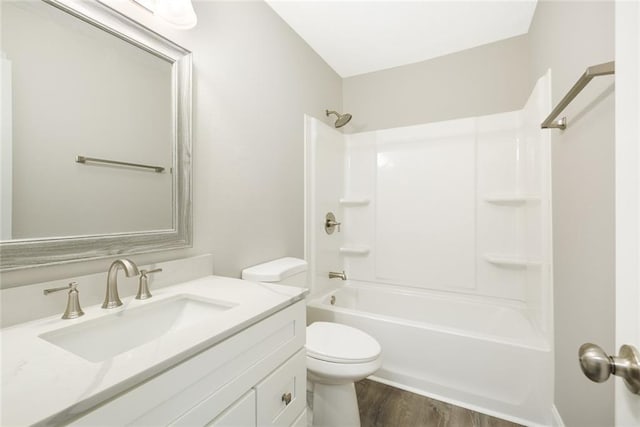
{"type": "Point", "coordinates": [385, 406]}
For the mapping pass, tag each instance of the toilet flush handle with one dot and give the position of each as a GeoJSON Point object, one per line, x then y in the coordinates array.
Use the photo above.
{"type": "Point", "coordinates": [286, 398]}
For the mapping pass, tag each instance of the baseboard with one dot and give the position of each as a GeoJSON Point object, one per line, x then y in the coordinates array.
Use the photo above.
{"type": "Point", "coordinates": [556, 419]}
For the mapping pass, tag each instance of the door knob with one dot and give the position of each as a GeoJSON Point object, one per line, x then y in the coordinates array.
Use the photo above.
{"type": "Point", "coordinates": [598, 366]}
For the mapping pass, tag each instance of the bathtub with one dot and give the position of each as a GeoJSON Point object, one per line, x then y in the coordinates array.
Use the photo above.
{"type": "Point", "coordinates": [480, 355]}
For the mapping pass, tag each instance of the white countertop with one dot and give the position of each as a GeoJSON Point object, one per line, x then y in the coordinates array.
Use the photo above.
{"type": "Point", "coordinates": [45, 384]}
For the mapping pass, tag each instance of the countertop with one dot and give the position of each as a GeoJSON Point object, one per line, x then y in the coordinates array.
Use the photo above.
{"type": "Point", "coordinates": [45, 384]}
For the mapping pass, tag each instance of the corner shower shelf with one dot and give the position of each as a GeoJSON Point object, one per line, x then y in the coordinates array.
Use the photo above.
{"type": "Point", "coordinates": [510, 261]}
{"type": "Point", "coordinates": [354, 250]}
{"type": "Point", "coordinates": [511, 199]}
{"type": "Point", "coordinates": [351, 202]}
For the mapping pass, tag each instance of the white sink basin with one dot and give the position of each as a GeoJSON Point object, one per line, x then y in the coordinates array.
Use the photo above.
{"type": "Point", "coordinates": [105, 337]}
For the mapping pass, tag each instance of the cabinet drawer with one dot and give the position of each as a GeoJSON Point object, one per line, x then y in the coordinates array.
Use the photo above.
{"type": "Point", "coordinates": [287, 383]}
{"type": "Point", "coordinates": [240, 414]}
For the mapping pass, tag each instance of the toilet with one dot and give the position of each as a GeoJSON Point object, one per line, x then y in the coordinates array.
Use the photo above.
{"type": "Point", "coordinates": [337, 355]}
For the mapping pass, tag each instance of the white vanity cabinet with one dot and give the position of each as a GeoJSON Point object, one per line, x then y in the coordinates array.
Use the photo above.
{"type": "Point", "coordinates": [241, 413]}
{"type": "Point", "coordinates": [256, 377]}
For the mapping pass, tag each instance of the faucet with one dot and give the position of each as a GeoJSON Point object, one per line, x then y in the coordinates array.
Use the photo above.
{"type": "Point", "coordinates": [112, 299]}
{"type": "Point", "coordinates": [336, 275]}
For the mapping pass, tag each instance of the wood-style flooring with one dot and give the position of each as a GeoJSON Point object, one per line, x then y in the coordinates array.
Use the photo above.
{"type": "Point", "coordinates": [385, 406]}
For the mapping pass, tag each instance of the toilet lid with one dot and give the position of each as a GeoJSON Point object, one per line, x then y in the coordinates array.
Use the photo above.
{"type": "Point", "coordinates": [333, 342]}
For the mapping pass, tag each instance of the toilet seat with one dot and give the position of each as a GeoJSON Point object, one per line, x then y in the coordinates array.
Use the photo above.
{"type": "Point", "coordinates": [338, 356]}
{"type": "Point", "coordinates": [337, 343]}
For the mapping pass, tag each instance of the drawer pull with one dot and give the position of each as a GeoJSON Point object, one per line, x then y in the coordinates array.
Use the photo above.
{"type": "Point", "coordinates": [286, 398]}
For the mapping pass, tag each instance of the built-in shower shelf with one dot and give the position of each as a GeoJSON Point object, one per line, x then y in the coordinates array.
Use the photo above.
{"type": "Point", "coordinates": [510, 261]}
{"type": "Point", "coordinates": [353, 202]}
{"type": "Point", "coordinates": [354, 250]}
{"type": "Point", "coordinates": [511, 199]}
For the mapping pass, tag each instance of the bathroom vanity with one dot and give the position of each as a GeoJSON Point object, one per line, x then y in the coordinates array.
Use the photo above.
{"type": "Point", "coordinates": [208, 350]}
{"type": "Point", "coordinates": [211, 351]}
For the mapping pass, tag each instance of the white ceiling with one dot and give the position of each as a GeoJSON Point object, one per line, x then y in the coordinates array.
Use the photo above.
{"type": "Point", "coordinates": [356, 37]}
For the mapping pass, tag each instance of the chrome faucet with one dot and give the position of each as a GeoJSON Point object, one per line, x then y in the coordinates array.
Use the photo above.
{"type": "Point", "coordinates": [112, 299]}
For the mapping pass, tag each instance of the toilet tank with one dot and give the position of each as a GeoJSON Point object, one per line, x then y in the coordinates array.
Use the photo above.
{"type": "Point", "coordinates": [285, 271]}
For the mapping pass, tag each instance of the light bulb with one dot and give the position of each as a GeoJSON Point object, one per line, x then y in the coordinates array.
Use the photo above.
{"type": "Point", "coordinates": [178, 13]}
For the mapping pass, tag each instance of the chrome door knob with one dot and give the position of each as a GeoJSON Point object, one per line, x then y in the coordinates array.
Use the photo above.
{"type": "Point", "coordinates": [598, 365]}
{"type": "Point", "coordinates": [595, 363]}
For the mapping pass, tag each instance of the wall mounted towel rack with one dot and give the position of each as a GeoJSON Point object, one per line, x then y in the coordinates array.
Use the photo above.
{"type": "Point", "coordinates": [591, 72]}
{"type": "Point", "coordinates": [84, 159]}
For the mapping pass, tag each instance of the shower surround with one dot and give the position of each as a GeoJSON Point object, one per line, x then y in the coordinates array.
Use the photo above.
{"type": "Point", "coordinates": [446, 242]}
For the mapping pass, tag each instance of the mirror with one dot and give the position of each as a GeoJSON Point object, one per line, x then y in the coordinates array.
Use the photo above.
{"type": "Point", "coordinates": [96, 115]}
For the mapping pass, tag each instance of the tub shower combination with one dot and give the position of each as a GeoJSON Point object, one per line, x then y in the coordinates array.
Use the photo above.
{"type": "Point", "coordinates": [484, 357]}
{"type": "Point", "coordinates": [445, 240]}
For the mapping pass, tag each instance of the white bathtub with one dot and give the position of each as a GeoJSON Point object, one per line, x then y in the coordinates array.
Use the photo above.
{"type": "Point", "coordinates": [479, 355]}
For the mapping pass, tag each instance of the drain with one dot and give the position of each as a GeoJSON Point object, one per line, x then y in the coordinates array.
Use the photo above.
{"type": "Point", "coordinates": [332, 300]}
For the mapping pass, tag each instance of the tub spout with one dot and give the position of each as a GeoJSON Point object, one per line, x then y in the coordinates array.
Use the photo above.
{"type": "Point", "coordinates": [334, 275]}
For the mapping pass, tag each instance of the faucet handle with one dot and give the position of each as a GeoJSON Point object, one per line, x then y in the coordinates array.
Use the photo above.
{"type": "Point", "coordinates": [73, 309]}
{"type": "Point", "coordinates": [143, 287]}
{"type": "Point", "coordinates": [330, 223]}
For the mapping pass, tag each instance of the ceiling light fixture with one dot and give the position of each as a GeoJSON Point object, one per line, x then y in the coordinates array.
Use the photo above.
{"type": "Point", "coordinates": [178, 13]}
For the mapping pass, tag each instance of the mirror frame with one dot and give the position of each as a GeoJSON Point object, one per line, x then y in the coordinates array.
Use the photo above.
{"type": "Point", "coordinates": [26, 253]}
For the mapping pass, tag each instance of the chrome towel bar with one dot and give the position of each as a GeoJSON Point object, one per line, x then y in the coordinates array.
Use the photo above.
{"type": "Point", "coordinates": [591, 72]}
{"type": "Point", "coordinates": [84, 159]}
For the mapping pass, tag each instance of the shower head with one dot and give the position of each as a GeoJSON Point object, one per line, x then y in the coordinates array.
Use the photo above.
{"type": "Point", "coordinates": [342, 119]}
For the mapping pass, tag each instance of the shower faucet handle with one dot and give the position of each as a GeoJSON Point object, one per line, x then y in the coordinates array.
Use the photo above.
{"type": "Point", "coordinates": [330, 223]}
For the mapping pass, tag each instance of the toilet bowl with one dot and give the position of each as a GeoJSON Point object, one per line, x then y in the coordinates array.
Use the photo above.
{"type": "Point", "coordinates": [337, 355]}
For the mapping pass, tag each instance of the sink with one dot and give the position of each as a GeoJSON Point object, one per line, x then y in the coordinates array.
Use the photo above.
{"type": "Point", "coordinates": [100, 339]}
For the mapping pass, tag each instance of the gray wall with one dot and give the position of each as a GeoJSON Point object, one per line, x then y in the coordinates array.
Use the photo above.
{"type": "Point", "coordinates": [488, 79]}
{"type": "Point", "coordinates": [583, 198]}
{"type": "Point", "coordinates": [254, 80]}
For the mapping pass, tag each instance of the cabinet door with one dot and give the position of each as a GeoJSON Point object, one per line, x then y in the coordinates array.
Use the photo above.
{"type": "Point", "coordinates": [281, 396]}
{"type": "Point", "coordinates": [301, 421]}
{"type": "Point", "coordinates": [240, 414]}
